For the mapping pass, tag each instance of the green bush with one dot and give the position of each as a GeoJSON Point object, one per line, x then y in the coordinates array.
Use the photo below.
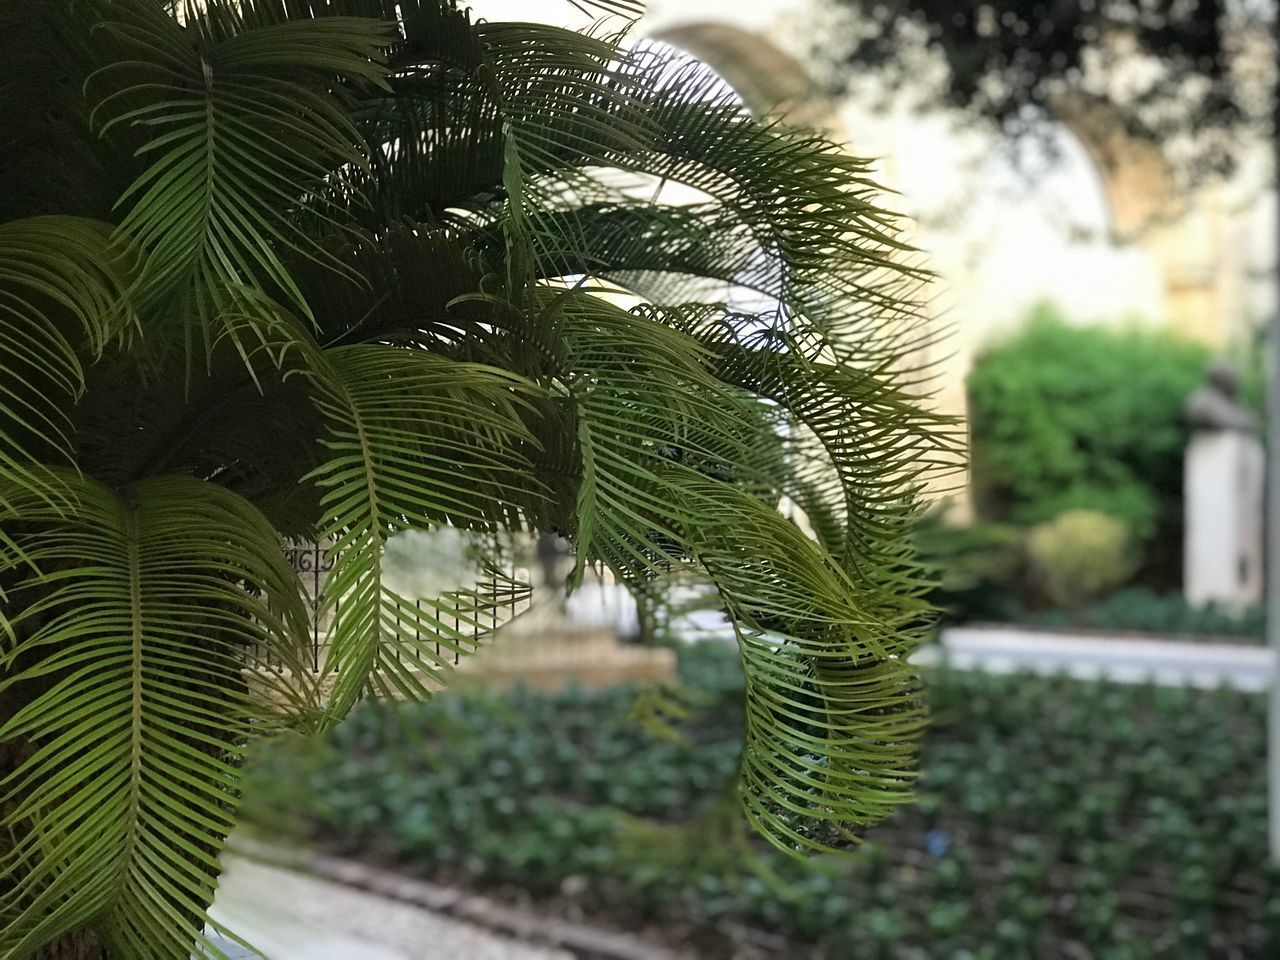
{"type": "Point", "coordinates": [1056, 818]}
{"type": "Point", "coordinates": [1080, 555]}
{"type": "Point", "coordinates": [979, 569]}
{"type": "Point", "coordinates": [1066, 417]}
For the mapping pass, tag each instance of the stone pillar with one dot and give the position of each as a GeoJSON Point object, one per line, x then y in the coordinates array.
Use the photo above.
{"type": "Point", "coordinates": [1224, 478]}
{"type": "Point", "coordinates": [312, 566]}
{"type": "Point", "coordinates": [1224, 475]}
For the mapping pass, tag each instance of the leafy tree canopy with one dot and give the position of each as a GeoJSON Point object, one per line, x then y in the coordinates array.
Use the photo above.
{"type": "Point", "coordinates": [1191, 76]}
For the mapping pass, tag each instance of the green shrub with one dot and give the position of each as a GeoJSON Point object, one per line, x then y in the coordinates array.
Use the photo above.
{"type": "Point", "coordinates": [1056, 818]}
{"type": "Point", "coordinates": [969, 556]}
{"type": "Point", "coordinates": [1066, 417]}
{"type": "Point", "coordinates": [1080, 555]}
{"type": "Point", "coordinates": [978, 568]}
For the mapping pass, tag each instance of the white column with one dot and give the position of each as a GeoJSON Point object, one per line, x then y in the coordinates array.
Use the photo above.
{"type": "Point", "coordinates": [1223, 519]}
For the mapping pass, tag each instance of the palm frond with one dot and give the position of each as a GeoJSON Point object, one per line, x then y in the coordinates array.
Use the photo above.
{"type": "Point", "coordinates": [414, 440]}
{"type": "Point", "coordinates": [833, 707]}
{"type": "Point", "coordinates": [244, 120]}
{"type": "Point", "coordinates": [62, 299]}
{"type": "Point", "coordinates": [624, 8]}
{"type": "Point", "coordinates": [133, 623]}
{"type": "Point", "coordinates": [473, 105]}
{"type": "Point", "coordinates": [398, 238]}
{"type": "Point", "coordinates": [857, 431]}
{"type": "Point", "coordinates": [784, 213]}
{"type": "Point", "coordinates": [644, 400]}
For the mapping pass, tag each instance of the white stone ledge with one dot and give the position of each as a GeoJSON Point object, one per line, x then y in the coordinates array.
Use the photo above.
{"type": "Point", "coordinates": [1120, 657]}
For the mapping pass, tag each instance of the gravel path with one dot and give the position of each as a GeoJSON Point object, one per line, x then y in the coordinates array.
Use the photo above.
{"type": "Point", "coordinates": [291, 916]}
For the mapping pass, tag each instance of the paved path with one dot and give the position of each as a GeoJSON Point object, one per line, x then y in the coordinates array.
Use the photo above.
{"type": "Point", "coordinates": [291, 916]}
{"type": "Point", "coordinates": [1120, 657]}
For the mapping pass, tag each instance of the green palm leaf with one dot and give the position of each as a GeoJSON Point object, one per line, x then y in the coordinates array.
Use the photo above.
{"type": "Point", "coordinates": [834, 711]}
{"type": "Point", "coordinates": [244, 121]}
{"type": "Point", "coordinates": [62, 299]}
{"type": "Point", "coordinates": [133, 622]}
{"type": "Point", "coordinates": [414, 440]}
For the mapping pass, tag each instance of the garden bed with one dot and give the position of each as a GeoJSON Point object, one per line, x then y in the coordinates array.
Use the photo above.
{"type": "Point", "coordinates": [1056, 819]}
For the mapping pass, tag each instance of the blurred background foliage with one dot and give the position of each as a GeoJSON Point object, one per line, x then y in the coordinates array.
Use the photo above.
{"type": "Point", "coordinates": [1019, 63]}
{"type": "Point", "coordinates": [1073, 417]}
{"type": "Point", "coordinates": [1079, 555]}
{"type": "Point", "coordinates": [1077, 445]}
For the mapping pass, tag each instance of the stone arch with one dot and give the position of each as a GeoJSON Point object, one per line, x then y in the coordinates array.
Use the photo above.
{"type": "Point", "coordinates": [1138, 184]}
{"type": "Point", "coordinates": [769, 80]}
{"type": "Point", "coordinates": [1149, 208]}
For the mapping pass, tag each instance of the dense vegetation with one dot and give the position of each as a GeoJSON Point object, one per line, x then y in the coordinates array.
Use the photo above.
{"type": "Point", "coordinates": [1056, 819]}
{"type": "Point", "coordinates": [1067, 417]}
{"type": "Point", "coordinates": [1170, 614]}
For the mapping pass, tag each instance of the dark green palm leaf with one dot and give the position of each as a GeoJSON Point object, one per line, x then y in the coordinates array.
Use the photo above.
{"type": "Point", "coordinates": [834, 711]}
{"type": "Point", "coordinates": [244, 120]}
{"type": "Point", "coordinates": [62, 299]}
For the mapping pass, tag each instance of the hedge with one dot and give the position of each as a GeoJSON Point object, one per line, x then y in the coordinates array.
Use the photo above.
{"type": "Point", "coordinates": [1137, 609]}
{"type": "Point", "coordinates": [1069, 417]}
{"type": "Point", "coordinates": [1056, 819]}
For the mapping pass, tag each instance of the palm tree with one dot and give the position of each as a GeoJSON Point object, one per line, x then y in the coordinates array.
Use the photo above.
{"type": "Point", "coordinates": [341, 268]}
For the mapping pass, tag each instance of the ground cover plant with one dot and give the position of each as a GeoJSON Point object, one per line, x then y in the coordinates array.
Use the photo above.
{"type": "Point", "coordinates": [1057, 818]}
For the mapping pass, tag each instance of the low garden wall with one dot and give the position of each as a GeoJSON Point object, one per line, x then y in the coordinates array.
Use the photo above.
{"type": "Point", "coordinates": [1119, 657]}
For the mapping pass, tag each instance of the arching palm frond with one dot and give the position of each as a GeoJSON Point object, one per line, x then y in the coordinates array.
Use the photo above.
{"type": "Point", "coordinates": [871, 440]}
{"type": "Point", "coordinates": [136, 617]}
{"type": "Point", "coordinates": [358, 269]}
{"type": "Point", "coordinates": [62, 299]}
{"type": "Point", "coordinates": [415, 440]}
{"type": "Point", "coordinates": [243, 120]}
{"type": "Point", "coordinates": [834, 709]}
